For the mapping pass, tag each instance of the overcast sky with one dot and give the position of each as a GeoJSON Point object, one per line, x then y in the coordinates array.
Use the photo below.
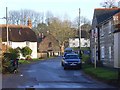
{"type": "Point", "coordinates": [62, 8]}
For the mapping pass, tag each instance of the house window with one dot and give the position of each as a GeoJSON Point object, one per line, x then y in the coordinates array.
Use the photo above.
{"type": "Point", "coordinates": [85, 44]}
{"type": "Point", "coordinates": [27, 43]}
{"type": "Point", "coordinates": [96, 32]}
{"type": "Point", "coordinates": [73, 39]}
{"type": "Point", "coordinates": [102, 52]}
{"type": "Point", "coordinates": [102, 31]}
{"type": "Point", "coordinates": [73, 43]}
{"type": "Point", "coordinates": [110, 25]}
{"type": "Point", "coordinates": [110, 52]}
{"type": "Point", "coordinates": [10, 43]}
{"type": "Point", "coordinates": [92, 33]}
{"type": "Point", "coordinates": [93, 52]}
{"type": "Point", "coordinates": [50, 44]}
{"type": "Point", "coordinates": [115, 19]}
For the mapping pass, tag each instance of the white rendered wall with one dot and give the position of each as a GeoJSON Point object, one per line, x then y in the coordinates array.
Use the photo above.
{"type": "Point", "coordinates": [32, 45]}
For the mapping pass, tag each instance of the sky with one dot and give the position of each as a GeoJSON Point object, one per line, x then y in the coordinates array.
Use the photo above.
{"type": "Point", "coordinates": [66, 9]}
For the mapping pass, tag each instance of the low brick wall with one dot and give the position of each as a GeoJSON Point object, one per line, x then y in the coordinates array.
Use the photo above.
{"type": "Point", "coordinates": [42, 55]}
{"type": "Point", "coordinates": [47, 54]}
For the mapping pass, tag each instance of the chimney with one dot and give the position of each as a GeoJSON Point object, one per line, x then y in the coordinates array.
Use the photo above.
{"type": "Point", "coordinates": [42, 35]}
{"type": "Point", "coordinates": [29, 23]}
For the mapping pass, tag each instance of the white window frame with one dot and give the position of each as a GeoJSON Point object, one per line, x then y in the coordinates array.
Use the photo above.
{"type": "Point", "coordinates": [110, 27]}
{"type": "Point", "coordinates": [27, 43]}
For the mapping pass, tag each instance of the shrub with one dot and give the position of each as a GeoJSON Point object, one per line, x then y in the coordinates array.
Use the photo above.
{"type": "Point", "coordinates": [12, 54]}
{"type": "Point", "coordinates": [26, 51]}
{"type": "Point", "coordinates": [86, 58]}
{"type": "Point", "coordinates": [28, 57]}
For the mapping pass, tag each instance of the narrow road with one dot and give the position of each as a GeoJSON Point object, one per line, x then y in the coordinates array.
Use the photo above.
{"type": "Point", "coordinates": [50, 74]}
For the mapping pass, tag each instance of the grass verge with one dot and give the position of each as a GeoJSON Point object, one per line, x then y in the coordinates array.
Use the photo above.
{"type": "Point", "coordinates": [29, 61]}
{"type": "Point", "coordinates": [101, 73]}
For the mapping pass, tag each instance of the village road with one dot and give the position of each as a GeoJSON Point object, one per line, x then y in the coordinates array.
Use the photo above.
{"type": "Point", "coordinates": [49, 74]}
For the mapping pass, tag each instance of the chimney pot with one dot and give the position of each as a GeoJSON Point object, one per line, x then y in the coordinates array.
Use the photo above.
{"type": "Point", "coordinates": [29, 23]}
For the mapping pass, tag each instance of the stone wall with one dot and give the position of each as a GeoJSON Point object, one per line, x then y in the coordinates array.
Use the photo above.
{"type": "Point", "coordinates": [107, 40]}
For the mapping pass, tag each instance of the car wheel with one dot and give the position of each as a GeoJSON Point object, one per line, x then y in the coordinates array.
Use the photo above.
{"type": "Point", "coordinates": [62, 63]}
{"type": "Point", "coordinates": [65, 68]}
{"type": "Point", "coordinates": [80, 67]}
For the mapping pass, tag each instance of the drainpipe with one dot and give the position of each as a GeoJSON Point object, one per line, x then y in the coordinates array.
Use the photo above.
{"type": "Point", "coordinates": [95, 58]}
{"type": "Point", "coordinates": [99, 61]}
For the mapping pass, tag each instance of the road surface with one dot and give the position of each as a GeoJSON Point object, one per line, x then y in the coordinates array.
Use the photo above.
{"type": "Point", "coordinates": [50, 74]}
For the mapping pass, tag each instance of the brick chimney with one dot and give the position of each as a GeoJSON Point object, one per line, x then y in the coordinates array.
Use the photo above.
{"type": "Point", "coordinates": [29, 23]}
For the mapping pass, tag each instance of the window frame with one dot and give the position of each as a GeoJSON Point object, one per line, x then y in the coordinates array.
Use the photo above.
{"type": "Point", "coordinates": [27, 43]}
{"type": "Point", "coordinates": [110, 27]}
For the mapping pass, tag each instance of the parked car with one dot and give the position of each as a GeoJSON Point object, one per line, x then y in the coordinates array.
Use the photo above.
{"type": "Point", "coordinates": [65, 53]}
{"type": "Point", "coordinates": [71, 60]}
{"type": "Point", "coordinates": [68, 49]}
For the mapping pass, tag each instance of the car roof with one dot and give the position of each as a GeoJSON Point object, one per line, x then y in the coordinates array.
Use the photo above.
{"type": "Point", "coordinates": [68, 49]}
{"type": "Point", "coordinates": [69, 52]}
{"type": "Point", "coordinates": [72, 54]}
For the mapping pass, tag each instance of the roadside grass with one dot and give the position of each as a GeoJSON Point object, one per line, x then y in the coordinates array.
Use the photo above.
{"type": "Point", "coordinates": [28, 61]}
{"type": "Point", "coordinates": [23, 61]}
{"type": "Point", "coordinates": [32, 60]}
{"type": "Point", "coordinates": [101, 73]}
{"type": "Point", "coordinates": [36, 59]}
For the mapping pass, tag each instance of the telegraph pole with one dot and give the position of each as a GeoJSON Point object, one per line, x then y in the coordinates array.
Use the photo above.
{"type": "Point", "coordinates": [7, 27]}
{"type": "Point", "coordinates": [79, 30]}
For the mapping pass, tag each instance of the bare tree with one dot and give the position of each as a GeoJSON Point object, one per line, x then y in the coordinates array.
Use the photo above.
{"type": "Point", "coordinates": [83, 20]}
{"type": "Point", "coordinates": [85, 25]}
{"type": "Point", "coordinates": [108, 3]}
{"type": "Point", "coordinates": [49, 16]}
{"type": "Point", "coordinates": [14, 17]}
{"type": "Point", "coordinates": [21, 17]}
{"type": "Point", "coordinates": [86, 28]}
